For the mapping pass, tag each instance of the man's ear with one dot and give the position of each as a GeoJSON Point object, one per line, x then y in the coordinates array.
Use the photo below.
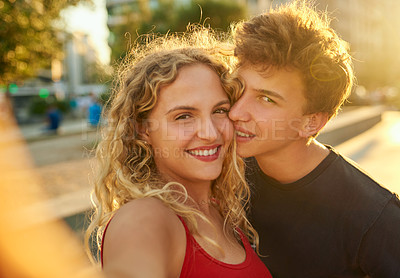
{"type": "Point", "coordinates": [313, 124]}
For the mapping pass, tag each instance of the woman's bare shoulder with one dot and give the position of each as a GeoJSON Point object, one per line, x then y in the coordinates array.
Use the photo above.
{"type": "Point", "coordinates": [144, 214]}
{"type": "Point", "coordinates": [145, 209]}
{"type": "Point", "coordinates": [144, 238]}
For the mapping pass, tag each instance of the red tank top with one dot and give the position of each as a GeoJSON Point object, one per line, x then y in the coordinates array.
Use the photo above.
{"type": "Point", "coordinates": [199, 264]}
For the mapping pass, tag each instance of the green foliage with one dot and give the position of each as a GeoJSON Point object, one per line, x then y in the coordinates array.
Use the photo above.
{"type": "Point", "coordinates": [96, 72]}
{"type": "Point", "coordinates": [214, 13]}
{"type": "Point", "coordinates": [63, 106]}
{"type": "Point", "coordinates": [39, 106]}
{"type": "Point", "coordinates": [104, 97]}
{"type": "Point", "coordinates": [169, 16]}
{"type": "Point", "coordinates": [161, 18]}
{"type": "Point", "coordinates": [28, 38]}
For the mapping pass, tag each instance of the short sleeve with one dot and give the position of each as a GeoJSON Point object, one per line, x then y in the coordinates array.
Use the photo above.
{"type": "Point", "coordinates": [379, 253]}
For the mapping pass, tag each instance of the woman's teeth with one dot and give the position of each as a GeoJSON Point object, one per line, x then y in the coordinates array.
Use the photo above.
{"type": "Point", "coordinates": [204, 152]}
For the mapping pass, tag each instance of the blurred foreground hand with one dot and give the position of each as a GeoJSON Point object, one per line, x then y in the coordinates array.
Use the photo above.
{"type": "Point", "coordinates": [32, 243]}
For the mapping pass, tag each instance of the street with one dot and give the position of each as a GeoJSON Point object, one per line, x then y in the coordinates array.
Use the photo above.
{"type": "Point", "coordinates": [63, 163]}
{"type": "Point", "coordinates": [377, 151]}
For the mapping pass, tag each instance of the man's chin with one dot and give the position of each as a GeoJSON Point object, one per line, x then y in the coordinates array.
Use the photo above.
{"type": "Point", "coordinates": [244, 152]}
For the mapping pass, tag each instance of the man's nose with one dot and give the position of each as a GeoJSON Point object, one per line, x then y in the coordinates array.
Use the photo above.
{"type": "Point", "coordinates": [238, 111]}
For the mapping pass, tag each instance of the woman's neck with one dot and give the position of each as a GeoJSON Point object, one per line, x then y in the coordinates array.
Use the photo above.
{"type": "Point", "coordinates": [199, 193]}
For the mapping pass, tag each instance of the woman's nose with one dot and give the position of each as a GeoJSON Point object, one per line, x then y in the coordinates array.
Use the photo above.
{"type": "Point", "coordinates": [207, 130]}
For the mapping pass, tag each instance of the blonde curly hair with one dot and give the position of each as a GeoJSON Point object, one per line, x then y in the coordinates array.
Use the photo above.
{"type": "Point", "coordinates": [125, 166]}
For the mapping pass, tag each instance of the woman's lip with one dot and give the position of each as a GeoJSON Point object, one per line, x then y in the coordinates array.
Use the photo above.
{"type": "Point", "coordinates": [207, 158]}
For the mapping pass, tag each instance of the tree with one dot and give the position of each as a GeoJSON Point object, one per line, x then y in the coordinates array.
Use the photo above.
{"type": "Point", "coordinates": [28, 37]}
{"type": "Point", "coordinates": [170, 16]}
{"type": "Point", "coordinates": [218, 14]}
{"type": "Point", "coordinates": [122, 35]}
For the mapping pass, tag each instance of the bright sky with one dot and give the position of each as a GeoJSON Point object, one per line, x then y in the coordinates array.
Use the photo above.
{"type": "Point", "coordinates": [92, 21]}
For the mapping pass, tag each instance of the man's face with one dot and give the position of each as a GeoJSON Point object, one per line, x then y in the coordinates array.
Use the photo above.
{"type": "Point", "coordinates": [269, 114]}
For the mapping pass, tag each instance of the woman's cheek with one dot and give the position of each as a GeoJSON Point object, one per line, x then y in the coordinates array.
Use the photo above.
{"type": "Point", "coordinates": [227, 129]}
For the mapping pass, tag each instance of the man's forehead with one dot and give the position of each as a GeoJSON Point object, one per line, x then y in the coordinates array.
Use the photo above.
{"type": "Point", "coordinates": [264, 70]}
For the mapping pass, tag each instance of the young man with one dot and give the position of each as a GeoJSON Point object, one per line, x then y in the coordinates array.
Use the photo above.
{"type": "Point", "coordinates": [317, 214]}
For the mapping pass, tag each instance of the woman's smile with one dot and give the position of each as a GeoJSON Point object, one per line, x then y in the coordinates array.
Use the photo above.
{"type": "Point", "coordinates": [206, 153]}
{"type": "Point", "coordinates": [193, 112]}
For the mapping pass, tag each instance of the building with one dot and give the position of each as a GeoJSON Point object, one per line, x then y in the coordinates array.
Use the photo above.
{"type": "Point", "coordinates": [75, 76]}
{"type": "Point", "coordinates": [80, 65]}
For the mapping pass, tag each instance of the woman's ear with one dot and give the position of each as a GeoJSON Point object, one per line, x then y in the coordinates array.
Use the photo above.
{"type": "Point", "coordinates": [313, 124]}
{"type": "Point", "coordinates": [143, 131]}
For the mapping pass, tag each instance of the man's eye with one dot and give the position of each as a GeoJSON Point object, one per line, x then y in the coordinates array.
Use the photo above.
{"type": "Point", "coordinates": [183, 117]}
{"type": "Point", "coordinates": [267, 99]}
{"type": "Point", "coordinates": [222, 111]}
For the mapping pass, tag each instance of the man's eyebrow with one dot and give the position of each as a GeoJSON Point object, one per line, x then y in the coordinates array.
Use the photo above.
{"type": "Point", "coordinates": [270, 93]}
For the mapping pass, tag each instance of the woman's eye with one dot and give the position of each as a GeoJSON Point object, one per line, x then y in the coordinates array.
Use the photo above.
{"type": "Point", "coordinates": [222, 111]}
{"type": "Point", "coordinates": [182, 117]}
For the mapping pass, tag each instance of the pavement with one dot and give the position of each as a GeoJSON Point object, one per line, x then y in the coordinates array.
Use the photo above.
{"type": "Point", "coordinates": [350, 122]}
{"type": "Point", "coordinates": [63, 166]}
{"type": "Point", "coordinates": [63, 161]}
{"type": "Point", "coordinates": [68, 127]}
{"type": "Point", "coordinates": [377, 151]}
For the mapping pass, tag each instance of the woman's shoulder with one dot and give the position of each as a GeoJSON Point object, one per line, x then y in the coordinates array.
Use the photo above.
{"type": "Point", "coordinates": [147, 213]}
{"type": "Point", "coordinates": [143, 232]}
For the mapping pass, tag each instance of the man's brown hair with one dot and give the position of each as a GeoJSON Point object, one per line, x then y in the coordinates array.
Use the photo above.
{"type": "Point", "coordinates": [296, 36]}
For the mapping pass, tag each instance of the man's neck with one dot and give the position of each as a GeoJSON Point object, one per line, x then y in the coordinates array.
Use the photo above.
{"type": "Point", "coordinates": [294, 162]}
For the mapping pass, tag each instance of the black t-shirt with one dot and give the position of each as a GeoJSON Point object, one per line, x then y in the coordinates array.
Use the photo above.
{"type": "Point", "coordinates": [334, 222]}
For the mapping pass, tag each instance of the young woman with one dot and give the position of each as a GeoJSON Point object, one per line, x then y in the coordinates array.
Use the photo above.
{"type": "Point", "coordinates": [169, 186]}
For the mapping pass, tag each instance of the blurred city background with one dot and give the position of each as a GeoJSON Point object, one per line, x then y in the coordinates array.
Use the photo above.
{"type": "Point", "coordinates": [57, 60]}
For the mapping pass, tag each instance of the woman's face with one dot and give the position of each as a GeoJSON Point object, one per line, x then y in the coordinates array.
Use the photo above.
{"type": "Point", "coordinates": [189, 129]}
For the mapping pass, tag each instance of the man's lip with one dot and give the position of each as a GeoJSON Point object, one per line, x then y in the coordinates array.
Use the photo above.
{"type": "Point", "coordinates": [237, 128]}
{"type": "Point", "coordinates": [202, 148]}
